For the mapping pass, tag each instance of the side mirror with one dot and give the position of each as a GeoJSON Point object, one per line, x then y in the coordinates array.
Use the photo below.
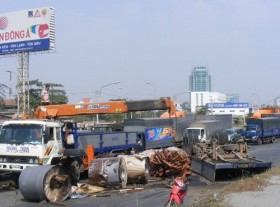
{"type": "Point", "coordinates": [45, 141]}
{"type": "Point", "coordinates": [2, 133]}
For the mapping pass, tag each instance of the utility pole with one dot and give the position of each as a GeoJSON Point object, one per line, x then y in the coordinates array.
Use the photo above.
{"type": "Point", "coordinates": [10, 83]}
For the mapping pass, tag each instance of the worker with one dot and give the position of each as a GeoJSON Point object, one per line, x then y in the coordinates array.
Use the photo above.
{"type": "Point", "coordinates": [37, 134]}
{"type": "Point", "coordinates": [69, 137]}
{"type": "Point", "coordinates": [45, 95]}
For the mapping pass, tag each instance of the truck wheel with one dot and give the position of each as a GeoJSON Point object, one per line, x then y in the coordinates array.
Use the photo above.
{"type": "Point", "coordinates": [75, 171]}
{"type": "Point", "coordinates": [14, 179]}
{"type": "Point", "coordinates": [259, 141]}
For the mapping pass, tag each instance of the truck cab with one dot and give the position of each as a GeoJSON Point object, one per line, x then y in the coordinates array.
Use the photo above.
{"type": "Point", "coordinates": [27, 143]}
{"type": "Point", "coordinates": [233, 134]}
{"type": "Point", "coordinates": [194, 135]}
{"type": "Point", "coordinates": [252, 133]}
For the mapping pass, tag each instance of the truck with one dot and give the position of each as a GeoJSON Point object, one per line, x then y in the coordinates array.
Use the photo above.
{"type": "Point", "coordinates": [40, 140]}
{"type": "Point", "coordinates": [204, 130]}
{"type": "Point", "coordinates": [159, 132]}
{"type": "Point", "coordinates": [233, 134]}
{"type": "Point", "coordinates": [261, 130]}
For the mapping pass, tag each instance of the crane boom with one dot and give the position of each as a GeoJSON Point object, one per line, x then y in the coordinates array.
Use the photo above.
{"type": "Point", "coordinates": [110, 107]}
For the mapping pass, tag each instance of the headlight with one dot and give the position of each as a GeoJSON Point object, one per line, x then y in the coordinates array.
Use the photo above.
{"type": "Point", "coordinates": [33, 161]}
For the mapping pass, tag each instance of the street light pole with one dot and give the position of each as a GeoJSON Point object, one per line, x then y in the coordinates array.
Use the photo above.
{"type": "Point", "coordinates": [211, 99]}
{"type": "Point", "coordinates": [10, 83]}
{"type": "Point", "coordinates": [98, 94]}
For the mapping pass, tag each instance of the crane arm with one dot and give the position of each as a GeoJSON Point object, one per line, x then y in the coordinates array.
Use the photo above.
{"type": "Point", "coordinates": [111, 107]}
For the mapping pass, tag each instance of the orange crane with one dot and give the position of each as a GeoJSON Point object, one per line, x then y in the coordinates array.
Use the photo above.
{"type": "Point", "coordinates": [111, 107]}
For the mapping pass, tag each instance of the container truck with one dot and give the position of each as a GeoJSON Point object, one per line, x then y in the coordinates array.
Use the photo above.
{"type": "Point", "coordinates": [205, 129]}
{"type": "Point", "coordinates": [261, 130]}
{"type": "Point", "coordinates": [159, 132]}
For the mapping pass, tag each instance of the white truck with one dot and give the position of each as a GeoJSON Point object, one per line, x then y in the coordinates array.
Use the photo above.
{"type": "Point", "coordinates": [205, 130]}
{"type": "Point", "coordinates": [41, 140]}
{"type": "Point", "coordinates": [27, 143]}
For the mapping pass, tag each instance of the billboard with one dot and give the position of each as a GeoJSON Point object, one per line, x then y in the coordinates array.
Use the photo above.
{"type": "Point", "coordinates": [28, 30]}
{"type": "Point", "coordinates": [228, 105]}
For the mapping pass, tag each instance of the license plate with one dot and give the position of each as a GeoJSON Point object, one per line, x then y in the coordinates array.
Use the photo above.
{"type": "Point", "coordinates": [243, 165]}
{"type": "Point", "coordinates": [15, 166]}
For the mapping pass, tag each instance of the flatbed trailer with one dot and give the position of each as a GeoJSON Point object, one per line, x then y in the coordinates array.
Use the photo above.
{"type": "Point", "coordinates": [218, 170]}
{"type": "Point", "coordinates": [222, 162]}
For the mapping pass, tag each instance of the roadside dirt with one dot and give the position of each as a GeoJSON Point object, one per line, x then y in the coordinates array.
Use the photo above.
{"type": "Point", "coordinates": [269, 196]}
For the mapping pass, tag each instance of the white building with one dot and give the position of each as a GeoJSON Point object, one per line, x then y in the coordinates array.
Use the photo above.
{"type": "Point", "coordinates": [199, 99]}
{"type": "Point", "coordinates": [217, 104]}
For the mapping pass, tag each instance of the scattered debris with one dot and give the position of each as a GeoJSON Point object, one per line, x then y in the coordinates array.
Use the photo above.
{"type": "Point", "coordinates": [138, 168]}
{"type": "Point", "coordinates": [86, 188]}
{"type": "Point", "coordinates": [110, 171]}
{"type": "Point", "coordinates": [170, 162]}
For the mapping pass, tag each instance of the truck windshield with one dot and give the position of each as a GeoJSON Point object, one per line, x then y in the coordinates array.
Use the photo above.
{"type": "Point", "coordinates": [193, 132]}
{"type": "Point", "coordinates": [230, 131]}
{"type": "Point", "coordinates": [21, 134]}
{"type": "Point", "coordinates": [250, 128]}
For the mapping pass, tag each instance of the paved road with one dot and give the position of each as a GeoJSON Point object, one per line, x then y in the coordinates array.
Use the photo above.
{"type": "Point", "coordinates": [268, 152]}
{"type": "Point", "coordinates": [155, 194]}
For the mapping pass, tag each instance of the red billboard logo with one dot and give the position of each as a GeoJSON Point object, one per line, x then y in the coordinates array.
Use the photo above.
{"type": "Point", "coordinates": [42, 30]}
{"type": "Point", "coordinates": [3, 23]}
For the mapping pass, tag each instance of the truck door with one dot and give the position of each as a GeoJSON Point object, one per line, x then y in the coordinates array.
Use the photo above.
{"type": "Point", "coordinates": [202, 135]}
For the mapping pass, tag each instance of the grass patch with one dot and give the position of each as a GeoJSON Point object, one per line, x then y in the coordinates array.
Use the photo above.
{"type": "Point", "coordinates": [253, 183]}
{"type": "Point", "coordinates": [210, 201]}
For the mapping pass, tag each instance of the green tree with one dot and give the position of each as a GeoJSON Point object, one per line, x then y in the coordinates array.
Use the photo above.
{"type": "Point", "coordinates": [3, 87]}
{"type": "Point", "coordinates": [202, 110]}
{"type": "Point", "coordinates": [186, 106]}
{"type": "Point", "coordinates": [56, 93]}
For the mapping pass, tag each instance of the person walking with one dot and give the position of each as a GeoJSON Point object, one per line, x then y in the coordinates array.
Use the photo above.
{"type": "Point", "coordinates": [45, 95]}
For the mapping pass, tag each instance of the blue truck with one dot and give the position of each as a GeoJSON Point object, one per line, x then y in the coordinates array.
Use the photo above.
{"type": "Point", "coordinates": [261, 130]}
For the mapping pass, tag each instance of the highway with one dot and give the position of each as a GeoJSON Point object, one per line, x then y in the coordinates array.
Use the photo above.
{"type": "Point", "coordinates": [154, 193]}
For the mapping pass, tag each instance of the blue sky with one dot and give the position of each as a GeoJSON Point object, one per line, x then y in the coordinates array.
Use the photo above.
{"type": "Point", "coordinates": [159, 42]}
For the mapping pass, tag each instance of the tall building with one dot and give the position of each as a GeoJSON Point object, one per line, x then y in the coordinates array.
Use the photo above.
{"type": "Point", "coordinates": [200, 80]}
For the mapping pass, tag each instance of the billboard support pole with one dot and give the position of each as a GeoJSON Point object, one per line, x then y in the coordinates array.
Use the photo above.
{"type": "Point", "coordinates": [23, 83]}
